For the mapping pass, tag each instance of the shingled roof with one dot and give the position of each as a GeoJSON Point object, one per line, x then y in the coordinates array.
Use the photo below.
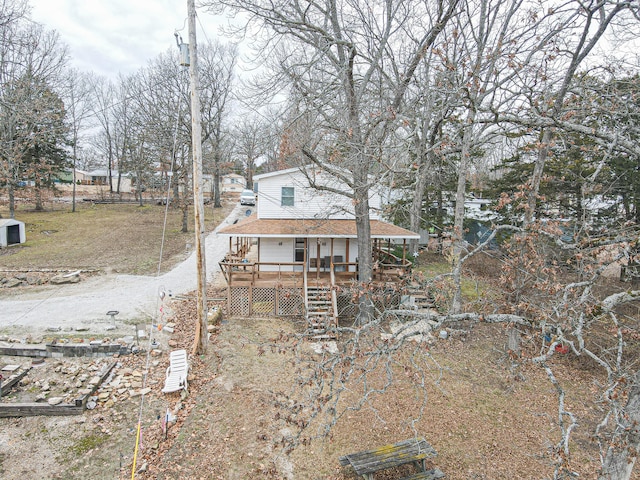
{"type": "Point", "coordinates": [316, 228]}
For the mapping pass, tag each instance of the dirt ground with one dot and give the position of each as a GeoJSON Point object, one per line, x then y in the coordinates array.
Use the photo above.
{"type": "Point", "coordinates": [249, 397]}
{"type": "Point", "coordinates": [485, 420]}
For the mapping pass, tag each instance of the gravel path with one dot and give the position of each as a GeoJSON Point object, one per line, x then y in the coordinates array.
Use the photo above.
{"type": "Point", "coordinates": [135, 297]}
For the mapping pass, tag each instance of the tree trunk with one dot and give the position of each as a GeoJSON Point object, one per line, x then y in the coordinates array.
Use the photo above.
{"type": "Point", "coordinates": [38, 197]}
{"type": "Point", "coordinates": [365, 250]}
{"type": "Point", "coordinates": [73, 173]}
{"type": "Point", "coordinates": [513, 341]}
{"type": "Point", "coordinates": [185, 217]}
{"type": "Point", "coordinates": [458, 221]}
{"type": "Point", "coordinates": [216, 188]}
{"type": "Point", "coordinates": [12, 201]}
{"type": "Point", "coordinates": [415, 211]}
{"type": "Point", "coordinates": [536, 177]}
{"type": "Point", "coordinates": [140, 199]}
{"type": "Point", "coordinates": [623, 450]}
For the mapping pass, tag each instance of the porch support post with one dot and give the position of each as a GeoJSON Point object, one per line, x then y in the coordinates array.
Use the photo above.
{"type": "Point", "coordinates": [404, 250]}
{"type": "Point", "coordinates": [331, 257]}
{"type": "Point", "coordinates": [346, 254]}
{"type": "Point", "coordinates": [230, 245]}
{"type": "Point", "coordinates": [317, 259]}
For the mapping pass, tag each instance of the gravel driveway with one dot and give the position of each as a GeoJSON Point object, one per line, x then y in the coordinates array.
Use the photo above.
{"type": "Point", "coordinates": [135, 297]}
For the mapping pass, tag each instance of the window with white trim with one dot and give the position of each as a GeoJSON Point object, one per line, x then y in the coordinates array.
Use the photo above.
{"type": "Point", "coordinates": [287, 197]}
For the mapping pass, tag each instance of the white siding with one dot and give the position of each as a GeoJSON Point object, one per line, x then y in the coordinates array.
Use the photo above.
{"type": "Point", "coordinates": [233, 183]}
{"type": "Point", "coordinates": [353, 250]}
{"type": "Point", "coordinates": [308, 202]}
{"type": "Point", "coordinates": [272, 251]}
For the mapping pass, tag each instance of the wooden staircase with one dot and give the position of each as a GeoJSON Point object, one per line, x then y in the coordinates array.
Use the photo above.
{"type": "Point", "coordinates": [424, 301]}
{"type": "Point", "coordinates": [320, 312]}
{"type": "Point", "coordinates": [421, 299]}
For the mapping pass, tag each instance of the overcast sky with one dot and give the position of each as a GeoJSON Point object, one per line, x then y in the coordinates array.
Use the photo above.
{"type": "Point", "coordinates": [111, 36]}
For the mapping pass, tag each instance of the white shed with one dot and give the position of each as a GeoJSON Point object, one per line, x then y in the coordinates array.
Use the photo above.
{"type": "Point", "coordinates": [12, 232]}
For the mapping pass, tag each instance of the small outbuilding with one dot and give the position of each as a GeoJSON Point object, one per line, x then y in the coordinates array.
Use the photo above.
{"type": "Point", "coordinates": [12, 232]}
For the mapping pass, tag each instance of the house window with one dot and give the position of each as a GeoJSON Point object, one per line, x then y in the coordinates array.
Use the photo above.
{"type": "Point", "coordinates": [287, 199]}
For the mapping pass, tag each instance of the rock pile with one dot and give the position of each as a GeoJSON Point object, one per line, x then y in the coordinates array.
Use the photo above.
{"type": "Point", "coordinates": [124, 384]}
{"type": "Point", "coordinates": [66, 380]}
{"type": "Point", "coordinates": [27, 279]}
{"type": "Point", "coordinates": [60, 382]}
{"type": "Point", "coordinates": [22, 280]}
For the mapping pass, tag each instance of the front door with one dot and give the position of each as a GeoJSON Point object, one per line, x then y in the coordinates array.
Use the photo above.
{"type": "Point", "coordinates": [298, 253]}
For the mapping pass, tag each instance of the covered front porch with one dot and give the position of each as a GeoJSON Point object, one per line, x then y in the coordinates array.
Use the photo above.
{"type": "Point", "coordinates": [241, 267]}
{"type": "Point", "coordinates": [292, 267]}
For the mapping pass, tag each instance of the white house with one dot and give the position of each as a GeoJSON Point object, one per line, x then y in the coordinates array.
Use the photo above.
{"type": "Point", "coordinates": [305, 235]}
{"type": "Point", "coordinates": [12, 232]}
{"type": "Point", "coordinates": [232, 182]}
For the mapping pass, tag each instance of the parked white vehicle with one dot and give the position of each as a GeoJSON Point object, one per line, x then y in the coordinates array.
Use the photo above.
{"type": "Point", "coordinates": [247, 197]}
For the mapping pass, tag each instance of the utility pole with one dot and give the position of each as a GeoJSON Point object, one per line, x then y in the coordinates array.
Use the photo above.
{"type": "Point", "coordinates": [201, 340]}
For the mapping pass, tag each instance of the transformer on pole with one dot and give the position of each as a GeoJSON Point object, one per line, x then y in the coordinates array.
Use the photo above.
{"type": "Point", "coordinates": [184, 51]}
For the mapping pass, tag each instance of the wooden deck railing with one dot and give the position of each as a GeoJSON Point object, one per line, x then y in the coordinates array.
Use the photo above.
{"type": "Point", "coordinates": [254, 271]}
{"type": "Point", "coordinates": [238, 272]}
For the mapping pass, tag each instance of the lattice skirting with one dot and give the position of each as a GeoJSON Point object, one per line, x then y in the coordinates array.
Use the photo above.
{"type": "Point", "coordinates": [383, 299]}
{"type": "Point", "coordinates": [289, 301]}
{"type": "Point", "coordinates": [265, 301]}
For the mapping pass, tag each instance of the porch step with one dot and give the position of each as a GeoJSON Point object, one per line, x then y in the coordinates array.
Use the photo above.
{"type": "Point", "coordinates": [424, 301]}
{"type": "Point", "coordinates": [319, 311]}
{"type": "Point", "coordinates": [324, 336]}
{"type": "Point", "coordinates": [421, 297]}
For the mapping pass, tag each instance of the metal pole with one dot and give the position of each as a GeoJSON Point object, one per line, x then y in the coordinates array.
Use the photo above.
{"type": "Point", "coordinates": [201, 339]}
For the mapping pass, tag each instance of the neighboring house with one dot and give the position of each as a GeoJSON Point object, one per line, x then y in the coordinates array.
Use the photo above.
{"type": "Point", "coordinates": [101, 178]}
{"type": "Point", "coordinates": [305, 242]}
{"type": "Point", "coordinates": [12, 232]}
{"type": "Point", "coordinates": [479, 209]}
{"type": "Point", "coordinates": [95, 182]}
{"type": "Point", "coordinates": [232, 182]}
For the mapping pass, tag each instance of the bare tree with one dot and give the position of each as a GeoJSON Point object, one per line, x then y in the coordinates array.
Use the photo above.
{"type": "Point", "coordinates": [334, 61]}
{"type": "Point", "coordinates": [249, 145]}
{"type": "Point", "coordinates": [588, 23]}
{"type": "Point", "coordinates": [217, 76]}
{"type": "Point", "coordinates": [104, 94]}
{"type": "Point", "coordinates": [78, 95]}
{"type": "Point", "coordinates": [162, 101]}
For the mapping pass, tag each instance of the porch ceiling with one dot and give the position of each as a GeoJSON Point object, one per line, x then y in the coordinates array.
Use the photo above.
{"type": "Point", "coordinates": [315, 228]}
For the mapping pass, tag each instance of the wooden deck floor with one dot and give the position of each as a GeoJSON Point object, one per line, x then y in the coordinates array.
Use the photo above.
{"type": "Point", "coordinates": [295, 279]}
{"type": "Point", "coordinates": [288, 279]}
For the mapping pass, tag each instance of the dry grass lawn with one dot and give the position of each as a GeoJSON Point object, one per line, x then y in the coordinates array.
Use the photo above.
{"type": "Point", "coordinates": [124, 238]}
{"type": "Point", "coordinates": [486, 418]}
